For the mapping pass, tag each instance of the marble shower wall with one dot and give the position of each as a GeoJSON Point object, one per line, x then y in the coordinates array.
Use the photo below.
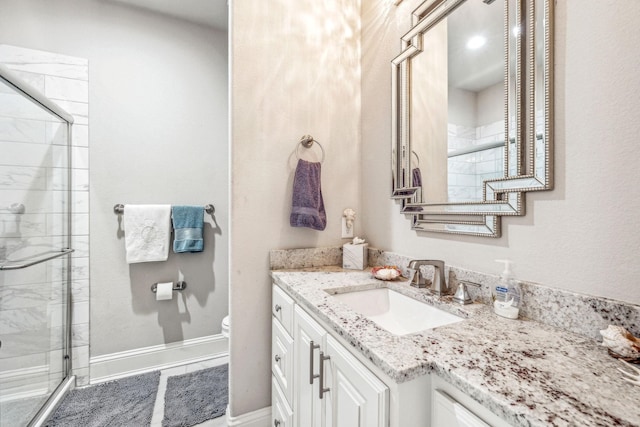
{"type": "Point", "coordinates": [33, 153]}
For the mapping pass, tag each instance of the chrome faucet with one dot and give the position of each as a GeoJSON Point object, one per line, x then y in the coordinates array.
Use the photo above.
{"type": "Point", "coordinates": [439, 287]}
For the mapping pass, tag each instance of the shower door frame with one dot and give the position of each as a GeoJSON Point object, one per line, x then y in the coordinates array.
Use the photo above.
{"type": "Point", "coordinates": [68, 380]}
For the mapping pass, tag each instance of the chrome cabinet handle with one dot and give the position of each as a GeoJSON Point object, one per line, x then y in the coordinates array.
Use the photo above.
{"type": "Point", "coordinates": [277, 308]}
{"type": "Point", "coordinates": [312, 347]}
{"type": "Point", "coordinates": [322, 388]}
{"type": "Point", "coordinates": [277, 358]}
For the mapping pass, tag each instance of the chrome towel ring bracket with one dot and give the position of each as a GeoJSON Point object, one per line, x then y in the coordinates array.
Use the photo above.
{"type": "Point", "coordinates": [307, 141]}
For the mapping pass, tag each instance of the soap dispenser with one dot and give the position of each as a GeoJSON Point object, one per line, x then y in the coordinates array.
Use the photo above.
{"type": "Point", "coordinates": [507, 295]}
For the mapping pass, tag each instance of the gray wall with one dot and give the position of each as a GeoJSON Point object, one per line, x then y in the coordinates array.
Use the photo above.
{"type": "Point", "coordinates": [158, 134]}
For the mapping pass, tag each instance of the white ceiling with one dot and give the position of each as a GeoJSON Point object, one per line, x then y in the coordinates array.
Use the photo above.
{"type": "Point", "coordinates": [475, 70]}
{"type": "Point", "coordinates": [212, 13]}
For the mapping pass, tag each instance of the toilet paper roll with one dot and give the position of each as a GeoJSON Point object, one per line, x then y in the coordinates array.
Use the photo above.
{"type": "Point", "coordinates": [164, 291]}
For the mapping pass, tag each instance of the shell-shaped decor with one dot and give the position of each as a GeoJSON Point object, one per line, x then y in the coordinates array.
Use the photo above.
{"type": "Point", "coordinates": [386, 272]}
{"type": "Point", "coordinates": [620, 341]}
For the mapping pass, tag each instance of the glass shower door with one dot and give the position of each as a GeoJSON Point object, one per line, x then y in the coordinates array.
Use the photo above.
{"type": "Point", "coordinates": [34, 254]}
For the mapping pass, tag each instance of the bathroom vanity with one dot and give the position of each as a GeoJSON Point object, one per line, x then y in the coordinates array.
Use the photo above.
{"type": "Point", "coordinates": [334, 366]}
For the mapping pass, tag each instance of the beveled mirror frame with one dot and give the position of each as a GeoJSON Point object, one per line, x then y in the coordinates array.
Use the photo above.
{"type": "Point", "coordinates": [504, 196]}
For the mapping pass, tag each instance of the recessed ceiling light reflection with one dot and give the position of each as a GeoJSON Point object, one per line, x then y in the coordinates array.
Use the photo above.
{"type": "Point", "coordinates": [476, 42]}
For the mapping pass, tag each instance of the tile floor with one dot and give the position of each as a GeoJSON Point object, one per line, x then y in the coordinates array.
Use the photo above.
{"type": "Point", "coordinates": [158, 409]}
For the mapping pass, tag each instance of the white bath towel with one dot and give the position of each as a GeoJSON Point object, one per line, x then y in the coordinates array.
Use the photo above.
{"type": "Point", "coordinates": [147, 232]}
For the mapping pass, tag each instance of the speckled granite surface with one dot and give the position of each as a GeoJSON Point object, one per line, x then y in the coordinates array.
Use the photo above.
{"type": "Point", "coordinates": [582, 314]}
{"type": "Point", "coordinates": [303, 258]}
{"type": "Point", "coordinates": [538, 375]}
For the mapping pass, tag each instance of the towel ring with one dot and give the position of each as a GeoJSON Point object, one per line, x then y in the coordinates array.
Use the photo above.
{"type": "Point", "coordinates": [306, 142]}
{"type": "Point", "coordinates": [417, 158]}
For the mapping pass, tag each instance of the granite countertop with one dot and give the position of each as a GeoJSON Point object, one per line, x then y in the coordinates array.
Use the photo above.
{"type": "Point", "coordinates": [528, 373]}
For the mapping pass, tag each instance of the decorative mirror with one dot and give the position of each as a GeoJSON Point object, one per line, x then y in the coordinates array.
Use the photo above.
{"type": "Point", "coordinates": [472, 113]}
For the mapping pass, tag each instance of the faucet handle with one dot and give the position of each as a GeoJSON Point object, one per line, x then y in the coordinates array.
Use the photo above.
{"type": "Point", "coordinates": [462, 296]}
{"type": "Point", "coordinates": [415, 277]}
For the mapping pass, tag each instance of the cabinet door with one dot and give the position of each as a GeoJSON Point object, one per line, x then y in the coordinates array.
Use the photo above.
{"type": "Point", "coordinates": [308, 340]}
{"type": "Point", "coordinates": [356, 398]}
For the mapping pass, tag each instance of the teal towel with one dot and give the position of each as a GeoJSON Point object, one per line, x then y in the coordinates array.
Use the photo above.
{"type": "Point", "coordinates": [188, 222]}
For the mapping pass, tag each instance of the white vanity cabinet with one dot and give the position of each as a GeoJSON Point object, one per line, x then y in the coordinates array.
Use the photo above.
{"type": "Point", "coordinates": [282, 353]}
{"type": "Point", "coordinates": [332, 388]}
{"type": "Point", "coordinates": [307, 360]}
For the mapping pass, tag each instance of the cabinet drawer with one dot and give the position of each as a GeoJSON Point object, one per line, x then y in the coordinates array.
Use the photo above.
{"type": "Point", "coordinates": [282, 359]}
{"type": "Point", "coordinates": [281, 413]}
{"type": "Point", "coordinates": [446, 412]}
{"type": "Point", "coordinates": [282, 308]}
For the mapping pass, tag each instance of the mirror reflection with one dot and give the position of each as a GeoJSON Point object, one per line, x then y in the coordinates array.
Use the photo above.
{"type": "Point", "coordinates": [462, 67]}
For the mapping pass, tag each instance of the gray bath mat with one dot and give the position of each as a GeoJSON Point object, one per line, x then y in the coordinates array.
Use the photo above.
{"type": "Point", "coordinates": [125, 402]}
{"type": "Point", "coordinates": [196, 397]}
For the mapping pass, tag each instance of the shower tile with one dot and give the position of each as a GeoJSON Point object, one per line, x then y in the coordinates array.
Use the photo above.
{"type": "Point", "coordinates": [33, 79]}
{"type": "Point", "coordinates": [81, 246]}
{"type": "Point", "coordinates": [22, 226]}
{"type": "Point", "coordinates": [22, 178]}
{"type": "Point", "coordinates": [80, 157]}
{"type": "Point", "coordinates": [59, 201]}
{"type": "Point", "coordinates": [63, 88]}
{"type": "Point", "coordinates": [80, 313]}
{"type": "Point", "coordinates": [15, 106]}
{"type": "Point", "coordinates": [57, 224]}
{"type": "Point", "coordinates": [22, 130]}
{"type": "Point", "coordinates": [35, 381]}
{"type": "Point", "coordinates": [79, 110]}
{"type": "Point", "coordinates": [34, 274]}
{"type": "Point", "coordinates": [80, 290]}
{"type": "Point", "coordinates": [82, 376]}
{"type": "Point", "coordinates": [56, 133]}
{"type": "Point", "coordinates": [21, 154]}
{"type": "Point", "coordinates": [80, 335]}
{"type": "Point", "coordinates": [10, 364]}
{"type": "Point", "coordinates": [42, 62]}
{"type": "Point", "coordinates": [30, 296]}
{"type": "Point", "coordinates": [80, 224]}
{"type": "Point", "coordinates": [80, 357]}
{"type": "Point", "coordinates": [22, 320]}
{"type": "Point", "coordinates": [59, 156]}
{"type": "Point", "coordinates": [57, 179]}
{"type": "Point", "coordinates": [57, 267]}
{"type": "Point", "coordinates": [80, 135]}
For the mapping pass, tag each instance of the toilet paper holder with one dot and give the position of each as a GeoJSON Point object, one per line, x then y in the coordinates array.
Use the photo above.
{"type": "Point", "coordinates": [178, 286]}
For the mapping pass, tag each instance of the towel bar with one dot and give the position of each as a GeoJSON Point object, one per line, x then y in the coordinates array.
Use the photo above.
{"type": "Point", "coordinates": [178, 286]}
{"type": "Point", "coordinates": [119, 209]}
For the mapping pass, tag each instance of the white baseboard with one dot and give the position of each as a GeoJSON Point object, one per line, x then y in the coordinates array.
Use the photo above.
{"type": "Point", "coordinates": [259, 418]}
{"type": "Point", "coordinates": [133, 362]}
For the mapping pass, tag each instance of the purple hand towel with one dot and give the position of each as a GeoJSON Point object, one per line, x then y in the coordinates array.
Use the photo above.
{"type": "Point", "coordinates": [416, 177]}
{"type": "Point", "coordinates": [307, 207]}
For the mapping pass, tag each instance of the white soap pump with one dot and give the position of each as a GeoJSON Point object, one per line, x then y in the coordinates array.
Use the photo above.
{"type": "Point", "coordinates": [507, 294]}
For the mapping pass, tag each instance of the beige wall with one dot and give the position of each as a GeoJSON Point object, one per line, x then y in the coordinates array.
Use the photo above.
{"type": "Point", "coordinates": [158, 134]}
{"type": "Point", "coordinates": [583, 236]}
{"type": "Point", "coordinates": [429, 141]}
{"type": "Point", "coordinates": [295, 71]}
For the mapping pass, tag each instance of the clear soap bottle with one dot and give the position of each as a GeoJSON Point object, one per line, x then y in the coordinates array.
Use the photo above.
{"type": "Point", "coordinates": [507, 295]}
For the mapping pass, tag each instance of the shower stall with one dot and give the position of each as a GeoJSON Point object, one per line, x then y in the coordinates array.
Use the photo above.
{"type": "Point", "coordinates": [35, 253]}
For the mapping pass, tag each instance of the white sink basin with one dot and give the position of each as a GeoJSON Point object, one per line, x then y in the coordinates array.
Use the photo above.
{"type": "Point", "coordinates": [395, 312]}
